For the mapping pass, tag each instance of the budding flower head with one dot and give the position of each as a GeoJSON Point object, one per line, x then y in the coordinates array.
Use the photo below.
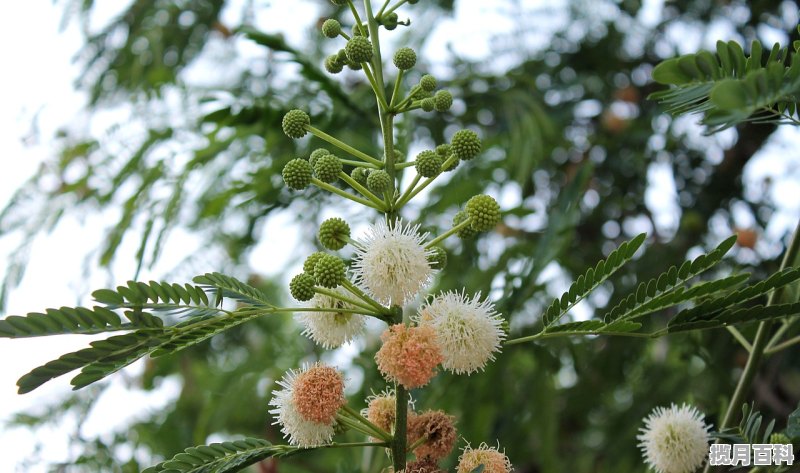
{"type": "Point", "coordinates": [327, 168]}
{"type": "Point", "coordinates": [358, 49]}
{"type": "Point", "coordinates": [468, 331]}
{"type": "Point", "coordinates": [428, 83]}
{"type": "Point", "coordinates": [360, 175]}
{"type": "Point", "coordinates": [465, 144]}
{"type": "Point", "coordinates": [428, 164]}
{"type": "Point", "coordinates": [483, 212]}
{"type": "Point", "coordinates": [379, 181]}
{"type": "Point", "coordinates": [674, 439]}
{"type": "Point", "coordinates": [405, 58]}
{"type": "Point", "coordinates": [466, 232]}
{"type": "Point", "coordinates": [311, 261]}
{"type": "Point", "coordinates": [493, 460]}
{"type": "Point", "coordinates": [442, 101]}
{"type": "Point", "coordinates": [438, 258]}
{"type": "Point", "coordinates": [382, 410]}
{"type": "Point", "coordinates": [440, 431]}
{"type": "Point", "coordinates": [389, 21]}
{"type": "Point", "coordinates": [316, 154]}
{"type": "Point", "coordinates": [331, 28]}
{"type": "Point", "coordinates": [333, 65]}
{"type": "Point", "coordinates": [306, 406]}
{"type": "Point", "coordinates": [427, 104]}
{"type": "Point", "coordinates": [302, 287]}
{"type": "Point", "coordinates": [331, 329]}
{"type": "Point", "coordinates": [294, 123]}
{"type": "Point", "coordinates": [297, 174]}
{"type": "Point", "coordinates": [334, 233]}
{"type": "Point", "coordinates": [409, 355]}
{"type": "Point", "coordinates": [329, 271]}
{"type": "Point", "coordinates": [391, 262]}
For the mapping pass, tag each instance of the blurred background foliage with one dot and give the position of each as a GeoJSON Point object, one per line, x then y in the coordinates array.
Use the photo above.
{"type": "Point", "coordinates": [571, 149]}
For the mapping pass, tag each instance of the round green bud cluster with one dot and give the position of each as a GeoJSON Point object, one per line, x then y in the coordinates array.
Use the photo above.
{"type": "Point", "coordinates": [316, 154]}
{"type": "Point", "coordinates": [443, 100]}
{"type": "Point", "coordinates": [327, 168]}
{"type": "Point", "coordinates": [467, 231]}
{"type": "Point", "coordinates": [311, 261]}
{"type": "Point", "coordinates": [483, 212]}
{"type": "Point", "coordinates": [465, 144]}
{"type": "Point", "coordinates": [389, 21]}
{"type": "Point", "coordinates": [420, 94]}
{"type": "Point", "coordinates": [294, 123]}
{"type": "Point", "coordinates": [334, 233]}
{"type": "Point", "coordinates": [354, 66]}
{"type": "Point", "coordinates": [379, 181]}
{"type": "Point", "coordinates": [341, 56]}
{"type": "Point", "coordinates": [363, 31]}
{"type": "Point", "coordinates": [427, 104]}
{"type": "Point", "coordinates": [428, 83]}
{"type": "Point", "coordinates": [444, 152]}
{"type": "Point", "coordinates": [405, 58]}
{"type": "Point", "coordinates": [398, 156]}
{"type": "Point", "coordinates": [438, 259]}
{"type": "Point", "coordinates": [332, 64]}
{"type": "Point", "coordinates": [358, 49]}
{"type": "Point", "coordinates": [297, 174]}
{"type": "Point", "coordinates": [428, 164]}
{"type": "Point", "coordinates": [329, 271]}
{"type": "Point", "coordinates": [331, 28]}
{"type": "Point", "coordinates": [302, 287]}
{"type": "Point", "coordinates": [360, 175]}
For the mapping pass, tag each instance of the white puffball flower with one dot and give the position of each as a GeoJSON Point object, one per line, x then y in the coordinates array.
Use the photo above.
{"type": "Point", "coordinates": [391, 262]}
{"type": "Point", "coordinates": [469, 331]}
{"type": "Point", "coordinates": [674, 439]}
{"type": "Point", "coordinates": [331, 329]}
{"type": "Point", "coordinates": [301, 432]}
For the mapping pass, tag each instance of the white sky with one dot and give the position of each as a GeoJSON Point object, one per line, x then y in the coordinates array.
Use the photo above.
{"type": "Point", "coordinates": [37, 83]}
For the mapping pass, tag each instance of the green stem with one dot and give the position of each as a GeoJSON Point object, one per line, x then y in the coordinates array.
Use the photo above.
{"type": "Point", "coordinates": [782, 346]}
{"type": "Point", "coordinates": [342, 145]}
{"type": "Point", "coordinates": [355, 444]}
{"type": "Point", "coordinates": [361, 189]}
{"type": "Point", "coordinates": [408, 190]}
{"type": "Point", "coordinates": [407, 164]}
{"type": "Point", "coordinates": [357, 426]}
{"type": "Point", "coordinates": [543, 335]}
{"type": "Point", "coordinates": [360, 294]}
{"type": "Point", "coordinates": [380, 12]}
{"type": "Point", "coordinates": [446, 234]}
{"type": "Point", "coordinates": [396, 89]}
{"type": "Point", "coordinates": [785, 325]}
{"type": "Point", "coordinates": [343, 298]}
{"type": "Point", "coordinates": [337, 191]}
{"type": "Point", "coordinates": [344, 35]}
{"type": "Point", "coordinates": [359, 164]}
{"type": "Point", "coordinates": [324, 309]}
{"type": "Point", "coordinates": [417, 443]}
{"type": "Point", "coordinates": [739, 337]}
{"type": "Point", "coordinates": [759, 343]}
{"type": "Point", "coordinates": [366, 422]}
{"type": "Point", "coordinates": [425, 184]}
{"type": "Point", "coordinates": [356, 17]}
{"type": "Point", "coordinates": [401, 416]}
{"type": "Point", "coordinates": [382, 105]}
{"type": "Point", "coordinates": [396, 6]}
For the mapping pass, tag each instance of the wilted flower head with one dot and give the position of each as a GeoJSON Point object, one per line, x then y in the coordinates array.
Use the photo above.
{"type": "Point", "coordinates": [408, 355]}
{"type": "Point", "coordinates": [306, 406]}
{"type": "Point", "coordinates": [426, 465]}
{"type": "Point", "coordinates": [331, 329]}
{"type": "Point", "coordinates": [674, 439]}
{"type": "Point", "coordinates": [440, 431]}
{"type": "Point", "coordinates": [468, 330]}
{"type": "Point", "coordinates": [381, 410]}
{"type": "Point", "coordinates": [493, 460]}
{"type": "Point", "coordinates": [391, 262]}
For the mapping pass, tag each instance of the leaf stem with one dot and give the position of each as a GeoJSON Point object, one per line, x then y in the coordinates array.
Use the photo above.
{"type": "Point", "coordinates": [342, 145]}
{"type": "Point", "coordinates": [336, 295]}
{"type": "Point", "coordinates": [360, 294]}
{"type": "Point", "coordinates": [782, 346]}
{"type": "Point", "coordinates": [361, 189]}
{"type": "Point", "coordinates": [346, 195]}
{"type": "Point", "coordinates": [446, 234]}
{"type": "Point", "coordinates": [739, 337]}
{"type": "Point", "coordinates": [358, 417]}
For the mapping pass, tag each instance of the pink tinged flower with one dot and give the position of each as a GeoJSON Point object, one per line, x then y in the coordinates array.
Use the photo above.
{"type": "Point", "coordinates": [674, 439]}
{"type": "Point", "coordinates": [391, 262]}
{"type": "Point", "coordinates": [493, 460]}
{"type": "Point", "coordinates": [469, 330]}
{"type": "Point", "coordinates": [306, 407]}
{"type": "Point", "coordinates": [409, 355]}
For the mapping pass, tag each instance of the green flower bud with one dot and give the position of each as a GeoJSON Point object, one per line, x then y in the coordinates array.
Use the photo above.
{"type": "Point", "coordinates": [302, 287]}
{"type": "Point", "coordinates": [443, 100]}
{"type": "Point", "coordinates": [427, 104]}
{"type": "Point", "coordinates": [332, 64]}
{"type": "Point", "coordinates": [437, 260]}
{"type": "Point", "coordinates": [390, 21]}
{"type": "Point", "coordinates": [316, 154]}
{"type": "Point", "coordinates": [341, 56]}
{"type": "Point", "coordinates": [358, 49]}
{"type": "Point", "coordinates": [311, 261]}
{"type": "Point", "coordinates": [334, 233]}
{"type": "Point", "coordinates": [363, 31]}
{"type": "Point", "coordinates": [330, 271]}
{"type": "Point", "coordinates": [297, 174]}
{"type": "Point", "coordinates": [360, 175]}
{"type": "Point", "coordinates": [428, 164]}
{"type": "Point", "coordinates": [354, 66]}
{"type": "Point", "coordinates": [294, 123]}
{"type": "Point", "coordinates": [466, 232]}
{"type": "Point", "coordinates": [428, 83]}
{"type": "Point", "coordinates": [331, 28]}
{"type": "Point", "coordinates": [379, 181]}
{"type": "Point", "coordinates": [398, 156]}
{"type": "Point", "coordinates": [405, 58]}
{"type": "Point", "coordinates": [445, 152]}
{"type": "Point", "coordinates": [484, 213]}
{"type": "Point", "coordinates": [327, 168]}
{"type": "Point", "coordinates": [420, 94]}
{"type": "Point", "coordinates": [465, 144]}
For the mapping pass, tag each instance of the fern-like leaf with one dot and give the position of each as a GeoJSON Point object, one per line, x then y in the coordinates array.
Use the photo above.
{"type": "Point", "coordinates": [63, 320]}
{"type": "Point", "coordinates": [591, 279]}
{"type": "Point", "coordinates": [195, 331]}
{"type": "Point", "coordinates": [233, 288]}
{"type": "Point", "coordinates": [225, 457]}
{"type": "Point", "coordinates": [175, 299]}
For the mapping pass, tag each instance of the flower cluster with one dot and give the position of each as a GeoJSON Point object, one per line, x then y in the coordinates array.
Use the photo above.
{"type": "Point", "coordinates": [674, 439]}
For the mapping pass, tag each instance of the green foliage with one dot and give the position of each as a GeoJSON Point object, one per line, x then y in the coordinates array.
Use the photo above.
{"type": "Point", "coordinates": [749, 429]}
{"type": "Point", "coordinates": [730, 88]}
{"type": "Point", "coordinates": [225, 457]}
{"type": "Point", "coordinates": [233, 288]}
